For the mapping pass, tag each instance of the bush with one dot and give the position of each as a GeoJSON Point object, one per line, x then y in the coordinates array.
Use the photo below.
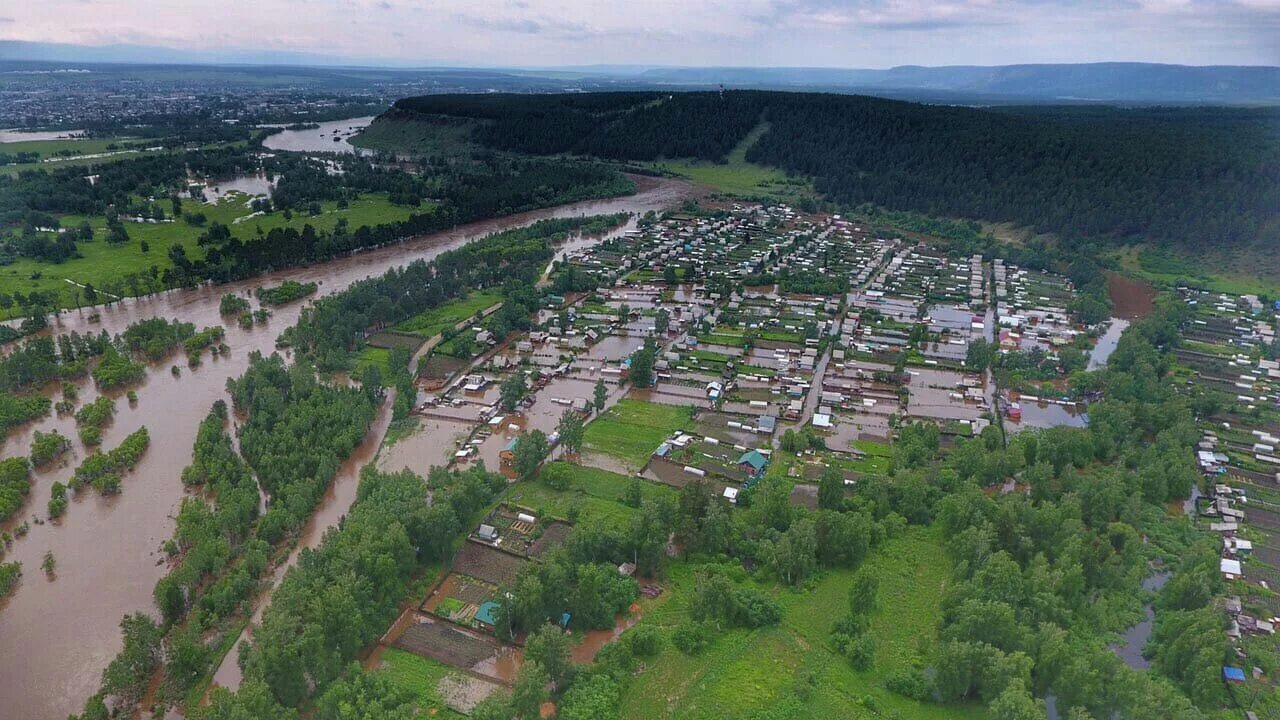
{"type": "Point", "coordinates": [909, 683]}
{"type": "Point", "coordinates": [691, 638]}
{"type": "Point", "coordinates": [645, 641]}
{"type": "Point", "coordinates": [15, 482]}
{"type": "Point", "coordinates": [57, 500]}
{"type": "Point", "coordinates": [859, 649]}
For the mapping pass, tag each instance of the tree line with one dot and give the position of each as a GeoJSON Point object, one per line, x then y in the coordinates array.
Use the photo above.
{"type": "Point", "coordinates": [1174, 175]}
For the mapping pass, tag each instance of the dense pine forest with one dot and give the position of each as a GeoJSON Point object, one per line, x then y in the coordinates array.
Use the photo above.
{"type": "Point", "coordinates": [1184, 176]}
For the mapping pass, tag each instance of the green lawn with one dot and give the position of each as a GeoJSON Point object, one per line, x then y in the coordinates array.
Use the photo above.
{"type": "Point", "coordinates": [432, 322]}
{"type": "Point", "coordinates": [631, 430]}
{"type": "Point", "coordinates": [421, 677]}
{"type": "Point", "coordinates": [370, 355]}
{"type": "Point", "coordinates": [594, 493]}
{"type": "Point", "coordinates": [790, 671]}
{"type": "Point", "coordinates": [106, 266]}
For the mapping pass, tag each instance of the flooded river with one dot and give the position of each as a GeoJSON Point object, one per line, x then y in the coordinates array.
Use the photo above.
{"type": "Point", "coordinates": [56, 637]}
{"type": "Point", "coordinates": [331, 136]}
{"type": "Point", "coordinates": [1131, 300]}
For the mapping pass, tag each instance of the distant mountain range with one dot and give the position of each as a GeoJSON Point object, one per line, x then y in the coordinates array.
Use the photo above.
{"type": "Point", "coordinates": [1139, 83]}
{"type": "Point", "coordinates": [1105, 82]}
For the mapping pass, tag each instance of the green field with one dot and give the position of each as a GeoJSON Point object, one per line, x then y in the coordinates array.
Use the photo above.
{"type": "Point", "coordinates": [421, 677]}
{"type": "Point", "coordinates": [60, 153]}
{"type": "Point", "coordinates": [593, 493]}
{"type": "Point", "coordinates": [106, 266]}
{"type": "Point", "coordinates": [736, 176]}
{"type": "Point", "coordinates": [435, 321]}
{"type": "Point", "coordinates": [631, 430]}
{"type": "Point", "coordinates": [1238, 272]}
{"type": "Point", "coordinates": [381, 357]}
{"type": "Point", "coordinates": [790, 671]}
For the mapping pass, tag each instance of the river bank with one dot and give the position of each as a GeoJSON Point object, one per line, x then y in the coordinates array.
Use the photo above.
{"type": "Point", "coordinates": [108, 549]}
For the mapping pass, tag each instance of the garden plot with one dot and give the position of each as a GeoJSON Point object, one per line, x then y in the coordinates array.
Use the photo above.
{"type": "Point", "coordinates": [488, 564]}
{"type": "Point", "coordinates": [461, 648]}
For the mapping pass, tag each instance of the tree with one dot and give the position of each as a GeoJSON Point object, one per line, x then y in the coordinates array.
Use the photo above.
{"type": "Point", "coordinates": [1016, 703]}
{"type": "Point", "coordinates": [661, 322]}
{"type": "Point", "coordinates": [530, 691]}
{"type": "Point", "coordinates": [549, 647]}
{"type": "Point", "coordinates": [863, 592]}
{"type": "Point", "coordinates": [530, 452]}
{"type": "Point", "coordinates": [977, 357]}
{"type": "Point", "coordinates": [513, 390]}
{"type": "Point", "coordinates": [595, 698]}
{"type": "Point", "coordinates": [601, 395]}
{"type": "Point", "coordinates": [795, 554]}
{"type": "Point", "coordinates": [571, 431]}
{"type": "Point", "coordinates": [669, 274]}
{"type": "Point", "coordinates": [633, 495]}
{"type": "Point", "coordinates": [365, 696]}
{"type": "Point", "coordinates": [253, 701]}
{"type": "Point", "coordinates": [831, 489]}
{"type": "Point", "coordinates": [642, 367]}
{"type": "Point", "coordinates": [793, 442]}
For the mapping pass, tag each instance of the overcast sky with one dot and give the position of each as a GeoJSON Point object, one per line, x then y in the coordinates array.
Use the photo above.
{"type": "Point", "coordinates": [831, 33]}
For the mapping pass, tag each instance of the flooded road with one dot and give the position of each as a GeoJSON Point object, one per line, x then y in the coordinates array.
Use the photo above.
{"type": "Point", "coordinates": [107, 549]}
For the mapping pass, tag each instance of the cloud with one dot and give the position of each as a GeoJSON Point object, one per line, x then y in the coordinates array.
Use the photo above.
{"type": "Point", "coordinates": [836, 33]}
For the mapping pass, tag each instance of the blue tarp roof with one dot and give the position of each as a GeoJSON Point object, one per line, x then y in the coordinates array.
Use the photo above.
{"type": "Point", "coordinates": [486, 613]}
{"type": "Point", "coordinates": [1233, 674]}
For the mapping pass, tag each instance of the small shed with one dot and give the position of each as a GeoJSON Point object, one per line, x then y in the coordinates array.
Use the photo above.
{"type": "Point", "coordinates": [487, 615]}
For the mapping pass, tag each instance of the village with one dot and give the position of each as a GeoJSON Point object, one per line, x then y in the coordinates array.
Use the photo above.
{"type": "Point", "coordinates": [782, 344]}
{"type": "Point", "coordinates": [1226, 369]}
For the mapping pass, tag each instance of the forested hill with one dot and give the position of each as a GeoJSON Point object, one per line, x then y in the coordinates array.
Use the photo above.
{"type": "Point", "coordinates": [1183, 175]}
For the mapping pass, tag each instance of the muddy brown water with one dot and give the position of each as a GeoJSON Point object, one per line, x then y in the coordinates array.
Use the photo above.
{"type": "Point", "coordinates": [108, 549]}
{"type": "Point", "coordinates": [1130, 298]}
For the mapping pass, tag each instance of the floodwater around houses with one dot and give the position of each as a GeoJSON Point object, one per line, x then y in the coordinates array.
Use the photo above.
{"type": "Point", "coordinates": [108, 549]}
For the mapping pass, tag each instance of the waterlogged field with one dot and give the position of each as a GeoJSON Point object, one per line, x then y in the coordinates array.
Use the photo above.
{"type": "Point", "coordinates": [107, 266]}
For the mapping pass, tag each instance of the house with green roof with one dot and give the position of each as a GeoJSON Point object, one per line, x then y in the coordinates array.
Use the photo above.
{"type": "Point", "coordinates": [753, 463]}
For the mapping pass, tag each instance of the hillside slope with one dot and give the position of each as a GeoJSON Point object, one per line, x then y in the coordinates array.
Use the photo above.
{"type": "Point", "coordinates": [1183, 176]}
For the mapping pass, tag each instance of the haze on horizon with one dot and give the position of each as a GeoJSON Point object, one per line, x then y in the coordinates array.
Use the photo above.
{"type": "Point", "coordinates": [809, 33]}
